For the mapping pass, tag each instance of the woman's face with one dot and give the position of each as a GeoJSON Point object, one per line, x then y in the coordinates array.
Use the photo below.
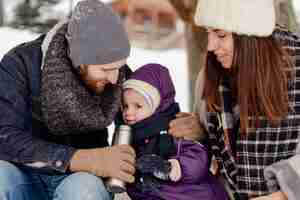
{"type": "Point", "coordinates": [221, 44]}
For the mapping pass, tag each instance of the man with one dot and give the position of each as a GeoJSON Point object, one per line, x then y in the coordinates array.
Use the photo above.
{"type": "Point", "coordinates": [58, 94]}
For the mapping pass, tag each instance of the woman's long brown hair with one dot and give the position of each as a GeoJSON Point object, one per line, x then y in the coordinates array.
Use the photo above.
{"type": "Point", "coordinates": [259, 78]}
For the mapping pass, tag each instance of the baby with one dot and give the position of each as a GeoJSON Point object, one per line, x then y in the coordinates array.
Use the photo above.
{"type": "Point", "coordinates": [167, 168]}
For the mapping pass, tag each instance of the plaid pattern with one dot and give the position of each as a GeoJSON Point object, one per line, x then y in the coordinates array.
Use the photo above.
{"type": "Point", "coordinates": [263, 146]}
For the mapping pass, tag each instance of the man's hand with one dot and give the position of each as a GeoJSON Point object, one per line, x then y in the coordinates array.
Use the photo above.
{"type": "Point", "coordinates": [186, 125]}
{"type": "Point", "coordinates": [273, 196]}
{"type": "Point", "coordinates": [116, 161]}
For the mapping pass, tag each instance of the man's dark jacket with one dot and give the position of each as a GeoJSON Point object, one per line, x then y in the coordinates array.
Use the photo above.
{"type": "Point", "coordinates": [24, 138]}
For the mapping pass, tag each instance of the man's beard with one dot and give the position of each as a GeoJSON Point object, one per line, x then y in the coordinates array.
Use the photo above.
{"type": "Point", "coordinates": [94, 87]}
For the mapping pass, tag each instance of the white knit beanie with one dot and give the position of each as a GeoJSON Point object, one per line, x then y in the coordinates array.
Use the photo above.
{"type": "Point", "coordinates": [149, 92]}
{"type": "Point", "coordinates": [248, 17]}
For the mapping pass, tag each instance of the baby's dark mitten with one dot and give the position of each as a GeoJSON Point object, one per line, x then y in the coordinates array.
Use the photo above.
{"type": "Point", "coordinates": [148, 183]}
{"type": "Point", "coordinates": [155, 165]}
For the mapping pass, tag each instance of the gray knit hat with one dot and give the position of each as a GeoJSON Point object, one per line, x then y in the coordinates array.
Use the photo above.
{"type": "Point", "coordinates": [96, 35]}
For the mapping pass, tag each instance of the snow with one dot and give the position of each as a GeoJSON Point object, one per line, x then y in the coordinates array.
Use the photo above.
{"type": "Point", "coordinates": [12, 37]}
{"type": "Point", "coordinates": [296, 4]}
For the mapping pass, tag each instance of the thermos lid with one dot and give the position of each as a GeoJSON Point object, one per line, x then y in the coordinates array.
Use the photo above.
{"type": "Point", "coordinates": [124, 128]}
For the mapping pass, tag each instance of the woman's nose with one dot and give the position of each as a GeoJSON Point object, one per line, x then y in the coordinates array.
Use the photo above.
{"type": "Point", "coordinates": [213, 42]}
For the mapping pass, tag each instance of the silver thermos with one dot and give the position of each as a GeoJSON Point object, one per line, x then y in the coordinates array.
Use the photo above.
{"type": "Point", "coordinates": [122, 135]}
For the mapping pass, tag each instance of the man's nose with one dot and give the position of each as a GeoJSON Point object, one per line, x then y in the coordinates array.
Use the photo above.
{"type": "Point", "coordinates": [113, 76]}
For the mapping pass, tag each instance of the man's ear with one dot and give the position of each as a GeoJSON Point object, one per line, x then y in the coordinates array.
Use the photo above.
{"type": "Point", "coordinates": [81, 69]}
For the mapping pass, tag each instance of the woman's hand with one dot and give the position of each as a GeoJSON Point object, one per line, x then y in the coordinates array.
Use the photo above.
{"type": "Point", "coordinates": [186, 125]}
{"type": "Point", "coordinates": [274, 196]}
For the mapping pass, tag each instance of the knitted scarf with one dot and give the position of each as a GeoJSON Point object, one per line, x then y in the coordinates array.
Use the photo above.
{"type": "Point", "coordinates": [221, 135]}
{"type": "Point", "coordinates": [150, 136]}
{"type": "Point", "coordinates": [67, 105]}
{"type": "Point", "coordinates": [243, 158]}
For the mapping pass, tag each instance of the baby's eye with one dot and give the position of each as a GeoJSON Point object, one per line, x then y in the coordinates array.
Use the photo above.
{"type": "Point", "coordinates": [138, 106]}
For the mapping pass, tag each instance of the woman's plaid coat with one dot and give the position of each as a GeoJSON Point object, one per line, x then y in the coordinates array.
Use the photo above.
{"type": "Point", "coordinates": [267, 160]}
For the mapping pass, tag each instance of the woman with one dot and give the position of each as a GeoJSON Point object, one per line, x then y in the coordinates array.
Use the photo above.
{"type": "Point", "coordinates": [248, 98]}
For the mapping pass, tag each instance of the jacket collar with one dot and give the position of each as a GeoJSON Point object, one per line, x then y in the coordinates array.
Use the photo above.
{"type": "Point", "coordinates": [154, 125]}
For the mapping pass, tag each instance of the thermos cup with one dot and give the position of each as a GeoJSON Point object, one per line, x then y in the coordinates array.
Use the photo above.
{"type": "Point", "coordinates": [122, 135]}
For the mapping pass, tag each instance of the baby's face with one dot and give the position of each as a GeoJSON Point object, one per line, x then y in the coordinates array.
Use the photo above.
{"type": "Point", "coordinates": [135, 107]}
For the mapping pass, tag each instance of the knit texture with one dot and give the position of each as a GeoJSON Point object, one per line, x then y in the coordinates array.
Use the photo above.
{"type": "Point", "coordinates": [67, 104]}
{"type": "Point", "coordinates": [249, 17]}
{"type": "Point", "coordinates": [96, 35]}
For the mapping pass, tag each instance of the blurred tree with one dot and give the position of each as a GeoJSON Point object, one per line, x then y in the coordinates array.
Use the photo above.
{"type": "Point", "coordinates": [26, 14]}
{"type": "Point", "coordinates": [1, 13]}
{"type": "Point", "coordinates": [29, 14]}
{"type": "Point", "coordinates": [48, 22]}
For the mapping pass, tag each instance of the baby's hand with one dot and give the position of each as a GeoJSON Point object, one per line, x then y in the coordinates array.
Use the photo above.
{"type": "Point", "coordinates": [175, 173]}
